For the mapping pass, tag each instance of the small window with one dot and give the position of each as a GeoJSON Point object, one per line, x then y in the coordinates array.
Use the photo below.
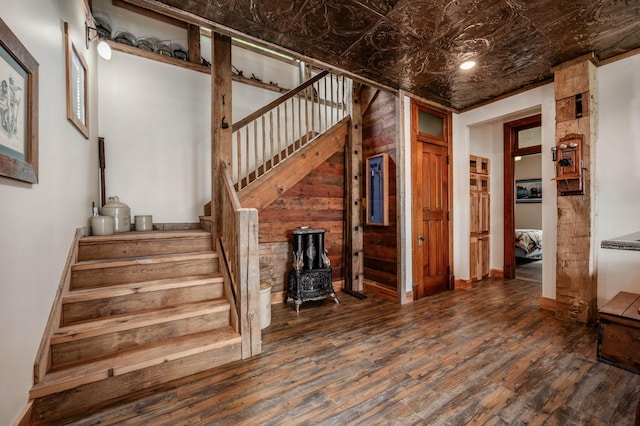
{"type": "Point", "coordinates": [430, 124]}
{"type": "Point", "coordinates": [528, 138]}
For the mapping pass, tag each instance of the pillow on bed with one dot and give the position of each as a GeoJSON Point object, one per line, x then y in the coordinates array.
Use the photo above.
{"type": "Point", "coordinates": [529, 239]}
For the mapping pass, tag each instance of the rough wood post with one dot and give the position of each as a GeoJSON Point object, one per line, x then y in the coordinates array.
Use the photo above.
{"type": "Point", "coordinates": [194, 44]}
{"type": "Point", "coordinates": [401, 205]}
{"type": "Point", "coordinates": [354, 267]}
{"type": "Point", "coordinates": [221, 131]}
{"type": "Point", "coordinates": [576, 287]}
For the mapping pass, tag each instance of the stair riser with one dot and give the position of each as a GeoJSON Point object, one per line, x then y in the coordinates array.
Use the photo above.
{"type": "Point", "coordinates": [92, 348]}
{"type": "Point", "coordinates": [101, 308]}
{"type": "Point", "coordinates": [100, 277]}
{"type": "Point", "coordinates": [124, 249]}
{"type": "Point", "coordinates": [64, 405]}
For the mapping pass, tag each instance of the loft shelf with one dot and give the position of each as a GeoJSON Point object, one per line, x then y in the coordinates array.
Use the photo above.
{"type": "Point", "coordinates": [120, 47]}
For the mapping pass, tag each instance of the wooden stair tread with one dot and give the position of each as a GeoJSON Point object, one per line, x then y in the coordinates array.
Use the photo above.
{"type": "Point", "coordinates": [147, 235]}
{"type": "Point", "coordinates": [137, 359]}
{"type": "Point", "coordinates": [142, 260]}
{"type": "Point", "coordinates": [128, 321]}
{"type": "Point", "coordinates": [116, 290]}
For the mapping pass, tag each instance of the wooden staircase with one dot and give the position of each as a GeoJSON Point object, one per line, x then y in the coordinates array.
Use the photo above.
{"type": "Point", "coordinates": [140, 309]}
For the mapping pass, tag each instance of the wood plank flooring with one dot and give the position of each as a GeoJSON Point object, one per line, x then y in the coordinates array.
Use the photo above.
{"type": "Point", "coordinates": [485, 355]}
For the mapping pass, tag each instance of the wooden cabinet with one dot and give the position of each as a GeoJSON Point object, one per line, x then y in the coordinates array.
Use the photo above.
{"type": "Point", "coordinates": [480, 204]}
{"type": "Point", "coordinates": [619, 332]}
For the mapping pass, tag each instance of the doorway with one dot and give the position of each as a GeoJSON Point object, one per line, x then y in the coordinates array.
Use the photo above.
{"type": "Point", "coordinates": [523, 199]}
{"type": "Point", "coordinates": [431, 201]}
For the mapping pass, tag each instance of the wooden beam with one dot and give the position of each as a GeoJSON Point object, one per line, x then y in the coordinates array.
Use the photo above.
{"type": "Point", "coordinates": [354, 262]}
{"type": "Point", "coordinates": [194, 44]}
{"type": "Point", "coordinates": [576, 287]}
{"type": "Point", "coordinates": [221, 131]}
{"type": "Point", "coordinates": [120, 47]}
{"type": "Point", "coordinates": [401, 204]}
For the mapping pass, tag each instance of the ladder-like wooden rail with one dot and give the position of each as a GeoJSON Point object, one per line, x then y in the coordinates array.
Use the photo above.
{"type": "Point", "coordinates": [273, 133]}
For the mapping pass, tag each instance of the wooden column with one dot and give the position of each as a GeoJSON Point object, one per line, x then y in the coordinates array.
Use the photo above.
{"type": "Point", "coordinates": [576, 109]}
{"type": "Point", "coordinates": [221, 131]}
{"type": "Point", "coordinates": [194, 44]}
{"type": "Point", "coordinates": [354, 263]}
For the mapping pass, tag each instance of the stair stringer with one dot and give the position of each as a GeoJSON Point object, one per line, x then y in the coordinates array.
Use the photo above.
{"type": "Point", "coordinates": [277, 181]}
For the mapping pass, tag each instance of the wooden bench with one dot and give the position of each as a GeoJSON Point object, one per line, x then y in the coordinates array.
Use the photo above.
{"type": "Point", "coordinates": [619, 332]}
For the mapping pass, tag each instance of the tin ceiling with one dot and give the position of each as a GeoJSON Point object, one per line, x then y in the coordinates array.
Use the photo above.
{"type": "Point", "coordinates": [418, 45]}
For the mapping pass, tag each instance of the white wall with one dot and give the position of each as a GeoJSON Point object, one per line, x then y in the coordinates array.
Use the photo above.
{"type": "Point", "coordinates": [155, 119]}
{"type": "Point", "coordinates": [38, 222]}
{"type": "Point", "coordinates": [482, 128]}
{"type": "Point", "coordinates": [528, 215]}
{"type": "Point", "coordinates": [618, 175]}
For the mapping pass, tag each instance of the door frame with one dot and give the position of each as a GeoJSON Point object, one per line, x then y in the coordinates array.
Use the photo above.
{"type": "Point", "coordinates": [511, 150]}
{"type": "Point", "coordinates": [446, 141]}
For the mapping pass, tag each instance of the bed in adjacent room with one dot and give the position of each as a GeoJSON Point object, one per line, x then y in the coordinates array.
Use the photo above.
{"type": "Point", "coordinates": [529, 243]}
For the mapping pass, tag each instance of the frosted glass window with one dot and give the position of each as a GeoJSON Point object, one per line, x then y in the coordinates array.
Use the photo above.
{"type": "Point", "coordinates": [530, 137]}
{"type": "Point", "coordinates": [430, 124]}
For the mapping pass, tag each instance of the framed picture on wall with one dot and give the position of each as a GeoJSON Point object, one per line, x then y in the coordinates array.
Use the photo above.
{"type": "Point", "coordinates": [77, 86]}
{"type": "Point", "coordinates": [377, 175]}
{"type": "Point", "coordinates": [529, 191]}
{"type": "Point", "coordinates": [18, 109]}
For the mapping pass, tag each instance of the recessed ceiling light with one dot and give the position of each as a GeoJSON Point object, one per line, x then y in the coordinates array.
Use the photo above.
{"type": "Point", "coordinates": [467, 65]}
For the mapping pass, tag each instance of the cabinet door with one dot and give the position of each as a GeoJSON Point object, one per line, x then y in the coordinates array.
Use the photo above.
{"type": "Point", "coordinates": [483, 165]}
{"type": "Point", "coordinates": [474, 210]}
{"type": "Point", "coordinates": [474, 182]}
{"type": "Point", "coordinates": [474, 259]}
{"type": "Point", "coordinates": [484, 220]}
{"type": "Point", "coordinates": [484, 256]}
{"type": "Point", "coordinates": [484, 183]}
{"type": "Point", "coordinates": [473, 164]}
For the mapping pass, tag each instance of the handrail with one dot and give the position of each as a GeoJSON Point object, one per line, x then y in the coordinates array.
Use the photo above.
{"type": "Point", "coordinates": [288, 95]}
{"type": "Point", "coordinates": [272, 134]}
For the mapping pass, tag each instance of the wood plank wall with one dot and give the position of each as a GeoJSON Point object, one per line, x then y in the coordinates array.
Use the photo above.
{"type": "Point", "coordinates": [316, 201]}
{"type": "Point", "coordinates": [378, 136]}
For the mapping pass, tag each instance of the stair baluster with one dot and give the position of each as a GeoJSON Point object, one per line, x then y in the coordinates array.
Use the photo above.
{"type": "Point", "coordinates": [262, 139]}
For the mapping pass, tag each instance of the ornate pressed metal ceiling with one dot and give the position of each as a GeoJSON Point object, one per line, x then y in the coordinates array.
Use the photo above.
{"type": "Point", "coordinates": [417, 45]}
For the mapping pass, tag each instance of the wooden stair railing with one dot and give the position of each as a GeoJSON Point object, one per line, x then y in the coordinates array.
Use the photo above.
{"type": "Point", "coordinates": [238, 248]}
{"type": "Point", "coordinates": [267, 137]}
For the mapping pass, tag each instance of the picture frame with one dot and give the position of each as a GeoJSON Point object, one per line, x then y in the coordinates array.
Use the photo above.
{"type": "Point", "coordinates": [528, 191]}
{"type": "Point", "coordinates": [377, 184]}
{"type": "Point", "coordinates": [77, 86]}
{"type": "Point", "coordinates": [18, 109]}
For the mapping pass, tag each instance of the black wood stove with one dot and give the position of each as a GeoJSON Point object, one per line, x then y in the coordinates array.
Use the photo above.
{"type": "Point", "coordinates": [310, 278]}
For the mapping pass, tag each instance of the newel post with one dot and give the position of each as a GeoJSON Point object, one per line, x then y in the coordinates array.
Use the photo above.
{"type": "Point", "coordinates": [221, 131]}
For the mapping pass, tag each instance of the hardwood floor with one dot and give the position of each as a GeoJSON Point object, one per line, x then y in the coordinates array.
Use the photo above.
{"type": "Point", "coordinates": [529, 270]}
{"type": "Point", "coordinates": [485, 355]}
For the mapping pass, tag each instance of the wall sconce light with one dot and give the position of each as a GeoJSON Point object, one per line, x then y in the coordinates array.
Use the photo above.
{"type": "Point", "coordinates": [104, 50]}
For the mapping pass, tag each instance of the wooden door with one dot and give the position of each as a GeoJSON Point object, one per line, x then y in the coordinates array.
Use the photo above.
{"type": "Point", "coordinates": [430, 210]}
{"type": "Point", "coordinates": [433, 235]}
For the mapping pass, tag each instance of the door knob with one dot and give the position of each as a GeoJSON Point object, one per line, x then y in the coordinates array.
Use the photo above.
{"type": "Point", "coordinates": [420, 240]}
